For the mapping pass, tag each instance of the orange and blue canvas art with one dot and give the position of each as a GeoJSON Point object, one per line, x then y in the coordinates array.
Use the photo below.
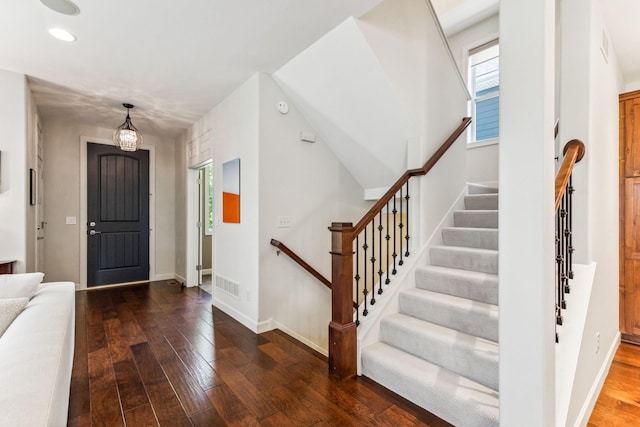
{"type": "Point", "coordinates": [231, 191]}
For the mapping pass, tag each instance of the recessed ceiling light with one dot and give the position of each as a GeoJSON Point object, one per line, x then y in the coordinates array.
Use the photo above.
{"type": "Point", "coordinates": [66, 7]}
{"type": "Point", "coordinates": [61, 34]}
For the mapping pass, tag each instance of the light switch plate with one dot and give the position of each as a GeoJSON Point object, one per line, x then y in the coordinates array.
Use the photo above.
{"type": "Point", "coordinates": [71, 220]}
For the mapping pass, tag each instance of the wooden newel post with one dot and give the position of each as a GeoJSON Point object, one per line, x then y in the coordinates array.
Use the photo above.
{"type": "Point", "coordinates": [342, 329]}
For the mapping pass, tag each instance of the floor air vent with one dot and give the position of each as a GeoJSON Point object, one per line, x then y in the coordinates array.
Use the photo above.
{"type": "Point", "coordinates": [227, 286]}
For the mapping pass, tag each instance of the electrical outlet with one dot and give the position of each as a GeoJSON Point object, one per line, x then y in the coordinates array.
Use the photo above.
{"type": "Point", "coordinates": [284, 221]}
{"type": "Point", "coordinates": [597, 342]}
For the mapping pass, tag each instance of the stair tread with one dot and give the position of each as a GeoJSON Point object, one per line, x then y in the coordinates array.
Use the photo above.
{"type": "Point", "coordinates": [461, 314]}
{"type": "Point", "coordinates": [422, 327]}
{"type": "Point", "coordinates": [465, 249]}
{"type": "Point", "coordinates": [473, 275]}
{"type": "Point", "coordinates": [452, 300]}
{"type": "Point", "coordinates": [481, 201]}
{"type": "Point", "coordinates": [450, 396]}
{"type": "Point", "coordinates": [474, 357]}
{"type": "Point", "coordinates": [473, 285]}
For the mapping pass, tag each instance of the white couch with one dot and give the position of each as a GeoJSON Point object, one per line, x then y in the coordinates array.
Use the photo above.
{"type": "Point", "coordinates": [36, 358]}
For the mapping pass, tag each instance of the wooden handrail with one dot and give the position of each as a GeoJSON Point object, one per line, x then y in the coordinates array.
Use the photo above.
{"type": "Point", "coordinates": [281, 246]}
{"type": "Point", "coordinates": [391, 192]}
{"type": "Point", "coordinates": [573, 153]}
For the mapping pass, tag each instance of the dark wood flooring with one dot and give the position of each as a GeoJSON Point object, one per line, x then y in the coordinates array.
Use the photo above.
{"type": "Point", "coordinates": [157, 354]}
{"type": "Point", "coordinates": [619, 400]}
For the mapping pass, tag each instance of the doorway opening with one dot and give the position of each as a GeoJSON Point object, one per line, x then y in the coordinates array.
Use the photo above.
{"type": "Point", "coordinates": [205, 225]}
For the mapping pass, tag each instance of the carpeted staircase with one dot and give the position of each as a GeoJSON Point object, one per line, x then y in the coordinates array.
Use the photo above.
{"type": "Point", "coordinates": [441, 350]}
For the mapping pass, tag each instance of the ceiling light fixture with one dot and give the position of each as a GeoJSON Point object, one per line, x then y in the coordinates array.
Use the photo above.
{"type": "Point", "coordinates": [126, 136]}
{"type": "Point", "coordinates": [66, 7]}
{"type": "Point", "coordinates": [61, 34]}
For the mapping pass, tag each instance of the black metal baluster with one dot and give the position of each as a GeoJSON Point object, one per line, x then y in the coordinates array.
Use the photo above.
{"type": "Point", "coordinates": [373, 261]}
{"type": "Point", "coordinates": [406, 233]}
{"type": "Point", "coordinates": [388, 237]}
{"type": "Point", "coordinates": [401, 226]}
{"type": "Point", "coordinates": [365, 292]}
{"type": "Point", "coordinates": [380, 227]}
{"type": "Point", "coordinates": [565, 203]}
{"type": "Point", "coordinates": [395, 254]}
{"type": "Point", "coordinates": [563, 237]}
{"type": "Point", "coordinates": [570, 190]}
{"type": "Point", "coordinates": [558, 270]}
{"type": "Point", "coordinates": [357, 277]}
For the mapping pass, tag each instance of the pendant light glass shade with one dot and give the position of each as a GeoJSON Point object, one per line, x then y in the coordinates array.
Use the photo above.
{"type": "Point", "coordinates": [126, 136]}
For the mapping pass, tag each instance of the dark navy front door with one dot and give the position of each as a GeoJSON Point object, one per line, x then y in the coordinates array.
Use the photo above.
{"type": "Point", "coordinates": [118, 215]}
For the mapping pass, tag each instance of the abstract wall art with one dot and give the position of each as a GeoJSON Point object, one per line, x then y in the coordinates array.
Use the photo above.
{"type": "Point", "coordinates": [231, 191]}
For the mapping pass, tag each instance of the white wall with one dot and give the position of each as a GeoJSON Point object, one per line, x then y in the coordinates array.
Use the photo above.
{"type": "Point", "coordinates": [14, 173]}
{"type": "Point", "coordinates": [405, 40]}
{"type": "Point", "coordinates": [527, 338]}
{"type": "Point", "coordinates": [603, 86]}
{"type": "Point", "coordinates": [229, 131]}
{"type": "Point", "coordinates": [307, 182]}
{"type": "Point", "coordinates": [62, 199]}
{"type": "Point", "coordinates": [482, 160]}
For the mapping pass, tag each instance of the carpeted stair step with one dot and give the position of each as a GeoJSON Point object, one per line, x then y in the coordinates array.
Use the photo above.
{"type": "Point", "coordinates": [482, 189]}
{"type": "Point", "coordinates": [472, 285]}
{"type": "Point", "coordinates": [463, 354]}
{"type": "Point", "coordinates": [476, 219]}
{"type": "Point", "coordinates": [483, 238]}
{"type": "Point", "coordinates": [452, 397]}
{"type": "Point", "coordinates": [464, 315]}
{"type": "Point", "coordinates": [471, 259]}
{"type": "Point", "coordinates": [481, 201]}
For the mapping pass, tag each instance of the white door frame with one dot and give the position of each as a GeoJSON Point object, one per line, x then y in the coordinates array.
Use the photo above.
{"type": "Point", "coordinates": [192, 230]}
{"type": "Point", "coordinates": [84, 140]}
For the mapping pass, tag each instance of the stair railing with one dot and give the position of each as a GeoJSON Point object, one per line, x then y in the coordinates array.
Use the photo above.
{"type": "Point", "coordinates": [380, 242]}
{"type": "Point", "coordinates": [573, 152]}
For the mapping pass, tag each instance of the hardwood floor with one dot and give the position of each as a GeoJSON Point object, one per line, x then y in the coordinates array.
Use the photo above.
{"type": "Point", "coordinates": [619, 400]}
{"type": "Point", "coordinates": [156, 354]}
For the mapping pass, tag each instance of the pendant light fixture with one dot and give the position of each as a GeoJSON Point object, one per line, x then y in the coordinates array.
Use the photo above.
{"type": "Point", "coordinates": [126, 136]}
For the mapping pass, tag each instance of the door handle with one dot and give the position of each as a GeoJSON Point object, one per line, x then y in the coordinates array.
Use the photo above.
{"type": "Point", "coordinates": [94, 232]}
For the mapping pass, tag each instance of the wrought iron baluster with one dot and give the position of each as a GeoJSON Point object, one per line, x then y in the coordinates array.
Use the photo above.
{"type": "Point", "coordinates": [406, 233]}
{"type": "Point", "coordinates": [395, 254]}
{"type": "Point", "coordinates": [373, 261]}
{"type": "Point", "coordinates": [401, 226]}
{"type": "Point", "coordinates": [380, 227]}
{"type": "Point", "coordinates": [558, 270]}
{"type": "Point", "coordinates": [365, 291]}
{"type": "Point", "coordinates": [570, 191]}
{"type": "Point", "coordinates": [388, 237]}
{"type": "Point", "coordinates": [357, 277]}
{"type": "Point", "coordinates": [563, 248]}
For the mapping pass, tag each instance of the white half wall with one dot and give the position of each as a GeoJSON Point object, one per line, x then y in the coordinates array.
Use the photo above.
{"type": "Point", "coordinates": [14, 172]}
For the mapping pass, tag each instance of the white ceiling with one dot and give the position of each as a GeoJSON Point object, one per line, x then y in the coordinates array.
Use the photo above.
{"type": "Point", "coordinates": [622, 20]}
{"type": "Point", "coordinates": [174, 60]}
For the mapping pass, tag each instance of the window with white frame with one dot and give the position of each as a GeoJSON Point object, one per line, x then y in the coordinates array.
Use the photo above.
{"type": "Point", "coordinates": [484, 82]}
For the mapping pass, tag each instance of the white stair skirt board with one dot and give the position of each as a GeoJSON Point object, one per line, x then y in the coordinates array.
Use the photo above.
{"type": "Point", "coordinates": [440, 350]}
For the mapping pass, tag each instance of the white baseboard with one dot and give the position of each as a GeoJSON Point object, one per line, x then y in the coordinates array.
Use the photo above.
{"type": "Point", "coordinates": [264, 326]}
{"type": "Point", "coordinates": [596, 388]}
{"type": "Point", "coordinates": [277, 325]}
{"type": "Point", "coordinates": [206, 271]}
{"type": "Point", "coordinates": [180, 279]}
{"type": "Point", "coordinates": [237, 315]}
{"type": "Point", "coordinates": [164, 276]}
